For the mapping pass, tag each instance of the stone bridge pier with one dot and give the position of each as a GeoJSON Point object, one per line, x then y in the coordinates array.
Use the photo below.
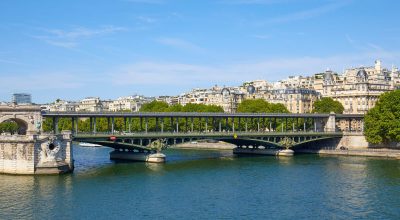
{"type": "Point", "coordinates": [29, 150]}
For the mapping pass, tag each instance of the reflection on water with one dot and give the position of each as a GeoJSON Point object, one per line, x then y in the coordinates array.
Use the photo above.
{"type": "Point", "coordinates": [208, 184]}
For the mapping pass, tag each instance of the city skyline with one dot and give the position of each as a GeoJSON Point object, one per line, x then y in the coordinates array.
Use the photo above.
{"type": "Point", "coordinates": [155, 47]}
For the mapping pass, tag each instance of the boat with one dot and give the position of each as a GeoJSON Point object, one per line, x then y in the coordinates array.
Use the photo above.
{"type": "Point", "coordinates": [83, 144]}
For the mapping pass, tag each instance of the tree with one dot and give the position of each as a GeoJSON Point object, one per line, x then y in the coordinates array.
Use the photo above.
{"type": "Point", "coordinates": [328, 105]}
{"type": "Point", "coordinates": [253, 106]}
{"type": "Point", "coordinates": [260, 106]}
{"type": "Point", "coordinates": [154, 106]}
{"type": "Point", "coordinates": [9, 127]}
{"type": "Point", "coordinates": [382, 122]}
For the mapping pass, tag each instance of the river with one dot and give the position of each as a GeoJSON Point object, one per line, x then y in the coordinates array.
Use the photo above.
{"type": "Point", "coordinates": [204, 184]}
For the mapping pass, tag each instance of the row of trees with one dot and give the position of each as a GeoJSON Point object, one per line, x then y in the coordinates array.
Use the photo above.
{"type": "Point", "coordinates": [199, 124]}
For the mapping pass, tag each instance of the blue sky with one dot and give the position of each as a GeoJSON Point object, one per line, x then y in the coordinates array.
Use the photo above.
{"type": "Point", "coordinates": [110, 48]}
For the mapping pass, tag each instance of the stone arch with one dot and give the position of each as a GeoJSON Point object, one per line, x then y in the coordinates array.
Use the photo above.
{"type": "Point", "coordinates": [23, 123]}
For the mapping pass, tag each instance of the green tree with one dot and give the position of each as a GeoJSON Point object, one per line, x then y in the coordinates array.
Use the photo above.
{"type": "Point", "coordinates": [382, 122]}
{"type": "Point", "coordinates": [254, 106]}
{"type": "Point", "coordinates": [154, 106]}
{"type": "Point", "coordinates": [328, 105]}
{"type": "Point", "coordinates": [9, 127]}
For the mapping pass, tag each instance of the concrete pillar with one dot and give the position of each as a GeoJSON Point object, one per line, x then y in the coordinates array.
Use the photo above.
{"type": "Point", "coordinates": [177, 125]}
{"type": "Point", "coordinates": [130, 125]}
{"type": "Point", "coordinates": [112, 125]}
{"type": "Point", "coordinates": [331, 123]}
{"type": "Point", "coordinates": [220, 126]}
{"type": "Point", "coordinates": [233, 124]}
{"type": "Point", "coordinates": [162, 125]}
{"type": "Point", "coordinates": [94, 126]}
{"type": "Point", "coordinates": [191, 125]}
{"type": "Point", "coordinates": [55, 125]}
{"type": "Point", "coordinates": [206, 124]}
{"type": "Point", "coordinates": [146, 121]}
{"type": "Point", "coordinates": [91, 124]}
{"type": "Point", "coordinates": [186, 124]}
{"type": "Point", "coordinates": [73, 125]}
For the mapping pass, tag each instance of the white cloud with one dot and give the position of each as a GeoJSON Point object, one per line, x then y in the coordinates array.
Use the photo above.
{"type": "Point", "coordinates": [71, 38]}
{"type": "Point", "coordinates": [9, 62]}
{"type": "Point", "coordinates": [146, 19]}
{"type": "Point", "coordinates": [175, 74]}
{"type": "Point", "coordinates": [262, 36]}
{"type": "Point", "coordinates": [42, 81]}
{"type": "Point", "coordinates": [180, 44]}
{"type": "Point", "coordinates": [306, 14]}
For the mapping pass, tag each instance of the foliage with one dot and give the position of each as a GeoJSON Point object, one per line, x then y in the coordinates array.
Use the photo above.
{"type": "Point", "coordinates": [102, 124]}
{"type": "Point", "coordinates": [9, 127]}
{"type": "Point", "coordinates": [261, 106]}
{"type": "Point", "coordinates": [154, 106]}
{"type": "Point", "coordinates": [328, 105]}
{"type": "Point", "coordinates": [382, 122]}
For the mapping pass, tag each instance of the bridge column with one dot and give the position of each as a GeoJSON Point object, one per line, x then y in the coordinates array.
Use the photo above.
{"type": "Point", "coordinates": [55, 125]}
{"type": "Point", "coordinates": [156, 124]}
{"type": "Point", "coordinates": [73, 125]}
{"type": "Point", "coordinates": [108, 124]}
{"type": "Point", "coordinates": [233, 124]}
{"type": "Point", "coordinates": [239, 128]}
{"type": "Point", "coordinates": [146, 121]}
{"type": "Point", "coordinates": [162, 125]}
{"type": "Point", "coordinates": [331, 123]}
{"type": "Point", "coordinates": [258, 125]}
{"type": "Point", "coordinates": [245, 124]}
{"type": "Point", "coordinates": [315, 125]}
{"type": "Point", "coordinates": [76, 125]}
{"type": "Point", "coordinates": [186, 124]}
{"type": "Point", "coordinates": [270, 124]}
{"type": "Point", "coordinates": [112, 125]}
{"type": "Point", "coordinates": [177, 125]}
{"type": "Point", "coordinates": [91, 124]}
{"type": "Point", "coordinates": [94, 126]}
{"type": "Point", "coordinates": [129, 125]}
{"type": "Point", "coordinates": [191, 125]}
{"type": "Point", "coordinates": [206, 124]}
{"type": "Point", "coordinates": [220, 126]}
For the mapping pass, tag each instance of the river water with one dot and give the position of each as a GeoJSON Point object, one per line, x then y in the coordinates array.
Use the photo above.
{"type": "Point", "coordinates": [200, 184]}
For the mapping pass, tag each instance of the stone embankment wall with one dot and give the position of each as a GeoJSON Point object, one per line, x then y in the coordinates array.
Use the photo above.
{"type": "Point", "coordinates": [31, 154]}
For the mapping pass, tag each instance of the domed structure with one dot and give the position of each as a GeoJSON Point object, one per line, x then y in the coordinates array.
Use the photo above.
{"type": "Point", "coordinates": [362, 75]}
{"type": "Point", "coordinates": [328, 77]}
{"type": "Point", "coordinates": [251, 89]}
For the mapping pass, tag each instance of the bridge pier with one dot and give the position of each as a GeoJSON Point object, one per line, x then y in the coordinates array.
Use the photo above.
{"type": "Point", "coordinates": [32, 152]}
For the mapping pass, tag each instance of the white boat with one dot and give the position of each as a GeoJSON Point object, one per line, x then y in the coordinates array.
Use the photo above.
{"type": "Point", "coordinates": [83, 144]}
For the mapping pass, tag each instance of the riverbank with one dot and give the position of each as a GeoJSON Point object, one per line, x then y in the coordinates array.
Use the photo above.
{"type": "Point", "coordinates": [388, 153]}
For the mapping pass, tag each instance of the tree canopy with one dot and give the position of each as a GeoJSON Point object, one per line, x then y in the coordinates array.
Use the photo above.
{"type": "Point", "coordinates": [260, 106]}
{"type": "Point", "coordinates": [9, 127]}
{"type": "Point", "coordinates": [328, 105]}
{"type": "Point", "coordinates": [382, 122]}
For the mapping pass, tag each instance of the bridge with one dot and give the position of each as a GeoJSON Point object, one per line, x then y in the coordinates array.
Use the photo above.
{"type": "Point", "coordinates": [142, 135]}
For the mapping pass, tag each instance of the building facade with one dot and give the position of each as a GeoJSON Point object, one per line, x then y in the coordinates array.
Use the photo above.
{"type": "Point", "coordinates": [21, 98]}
